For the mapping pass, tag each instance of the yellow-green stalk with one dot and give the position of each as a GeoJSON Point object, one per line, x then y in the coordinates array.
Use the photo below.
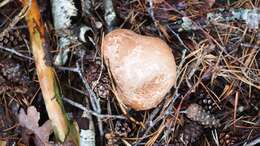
{"type": "Point", "coordinates": [63, 128]}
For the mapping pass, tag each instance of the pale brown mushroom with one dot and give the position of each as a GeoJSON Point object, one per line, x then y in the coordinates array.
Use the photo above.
{"type": "Point", "coordinates": [143, 67]}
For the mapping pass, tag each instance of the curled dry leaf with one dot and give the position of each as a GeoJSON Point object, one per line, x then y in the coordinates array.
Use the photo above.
{"type": "Point", "coordinates": [30, 122]}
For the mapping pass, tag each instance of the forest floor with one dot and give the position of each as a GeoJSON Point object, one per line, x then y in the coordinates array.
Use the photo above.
{"type": "Point", "coordinates": [216, 46]}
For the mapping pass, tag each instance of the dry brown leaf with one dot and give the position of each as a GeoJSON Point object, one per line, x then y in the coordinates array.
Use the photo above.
{"type": "Point", "coordinates": [30, 122]}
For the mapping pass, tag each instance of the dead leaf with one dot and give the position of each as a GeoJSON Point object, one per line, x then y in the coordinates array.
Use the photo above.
{"type": "Point", "coordinates": [30, 122]}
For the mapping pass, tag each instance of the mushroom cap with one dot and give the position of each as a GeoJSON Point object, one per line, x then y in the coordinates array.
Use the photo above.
{"type": "Point", "coordinates": [143, 67]}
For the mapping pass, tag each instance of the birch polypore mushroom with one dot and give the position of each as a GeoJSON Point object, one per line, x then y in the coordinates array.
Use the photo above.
{"type": "Point", "coordinates": [143, 68]}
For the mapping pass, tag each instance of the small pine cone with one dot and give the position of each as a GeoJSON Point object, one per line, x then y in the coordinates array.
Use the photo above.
{"type": "Point", "coordinates": [92, 72]}
{"type": "Point", "coordinates": [11, 39]}
{"type": "Point", "coordinates": [227, 139]}
{"type": "Point", "coordinates": [5, 87]}
{"type": "Point", "coordinates": [196, 113]}
{"type": "Point", "coordinates": [13, 72]}
{"type": "Point", "coordinates": [103, 88]}
{"type": "Point", "coordinates": [207, 103]}
{"type": "Point", "coordinates": [111, 139]}
{"type": "Point", "coordinates": [191, 132]}
{"type": "Point", "coordinates": [122, 128]}
{"type": "Point", "coordinates": [100, 84]}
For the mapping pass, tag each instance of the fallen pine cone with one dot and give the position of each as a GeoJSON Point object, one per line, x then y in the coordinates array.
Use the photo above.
{"type": "Point", "coordinates": [196, 113]}
{"type": "Point", "coordinates": [227, 139]}
{"type": "Point", "coordinates": [11, 39]}
{"type": "Point", "coordinates": [192, 132]}
{"type": "Point", "coordinates": [100, 84]}
{"type": "Point", "coordinates": [122, 128]}
{"type": "Point", "coordinates": [13, 77]}
{"type": "Point", "coordinates": [13, 72]}
{"type": "Point", "coordinates": [111, 139]}
{"type": "Point", "coordinates": [102, 87]}
{"type": "Point", "coordinates": [206, 102]}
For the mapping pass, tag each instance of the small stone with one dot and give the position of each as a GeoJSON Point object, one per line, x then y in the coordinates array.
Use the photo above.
{"type": "Point", "coordinates": [143, 67]}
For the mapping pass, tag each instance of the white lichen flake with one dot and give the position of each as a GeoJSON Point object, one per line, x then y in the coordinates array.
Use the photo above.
{"type": "Point", "coordinates": [87, 137]}
{"type": "Point", "coordinates": [62, 11]}
{"type": "Point", "coordinates": [252, 18]}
